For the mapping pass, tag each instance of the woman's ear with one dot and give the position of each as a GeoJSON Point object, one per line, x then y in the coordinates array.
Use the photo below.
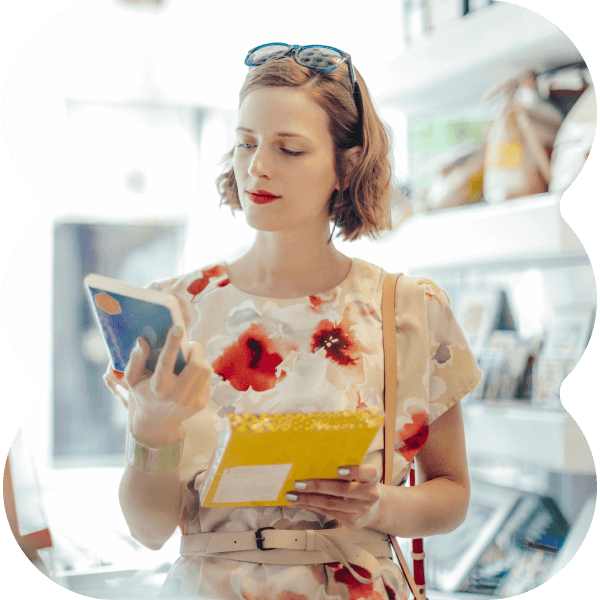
{"type": "Point", "coordinates": [351, 159]}
{"type": "Point", "coordinates": [352, 155]}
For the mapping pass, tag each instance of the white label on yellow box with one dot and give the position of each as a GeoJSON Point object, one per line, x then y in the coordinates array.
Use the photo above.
{"type": "Point", "coordinates": [255, 483]}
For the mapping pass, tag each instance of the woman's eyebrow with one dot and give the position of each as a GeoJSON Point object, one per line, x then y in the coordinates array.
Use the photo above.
{"type": "Point", "coordinates": [278, 134]}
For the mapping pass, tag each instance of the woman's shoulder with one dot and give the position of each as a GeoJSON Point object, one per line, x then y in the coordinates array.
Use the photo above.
{"type": "Point", "coordinates": [194, 283]}
{"type": "Point", "coordinates": [430, 288]}
{"type": "Point", "coordinates": [416, 284]}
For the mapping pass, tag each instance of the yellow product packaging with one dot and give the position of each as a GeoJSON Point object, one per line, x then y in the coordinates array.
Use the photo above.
{"type": "Point", "coordinates": [258, 458]}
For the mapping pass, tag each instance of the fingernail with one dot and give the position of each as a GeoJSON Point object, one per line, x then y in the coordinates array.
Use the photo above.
{"type": "Point", "coordinates": [291, 497]}
{"type": "Point", "coordinates": [177, 330]}
{"type": "Point", "coordinates": [138, 346]}
{"type": "Point", "coordinates": [342, 471]}
{"type": "Point", "coordinates": [300, 485]}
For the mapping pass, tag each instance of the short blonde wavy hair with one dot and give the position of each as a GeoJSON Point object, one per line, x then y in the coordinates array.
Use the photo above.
{"type": "Point", "coordinates": [364, 207]}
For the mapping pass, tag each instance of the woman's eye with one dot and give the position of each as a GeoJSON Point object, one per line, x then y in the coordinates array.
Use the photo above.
{"type": "Point", "coordinates": [248, 146]}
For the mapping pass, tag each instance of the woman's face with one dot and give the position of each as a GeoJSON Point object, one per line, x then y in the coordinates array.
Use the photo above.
{"type": "Point", "coordinates": [284, 148]}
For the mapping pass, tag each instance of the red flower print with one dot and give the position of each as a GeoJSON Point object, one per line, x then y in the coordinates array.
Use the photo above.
{"type": "Point", "coordinates": [414, 435]}
{"type": "Point", "coordinates": [356, 589]}
{"type": "Point", "coordinates": [361, 404]}
{"type": "Point", "coordinates": [438, 292]}
{"type": "Point", "coordinates": [319, 303]}
{"type": "Point", "coordinates": [197, 286]}
{"type": "Point", "coordinates": [338, 342]}
{"type": "Point", "coordinates": [252, 361]}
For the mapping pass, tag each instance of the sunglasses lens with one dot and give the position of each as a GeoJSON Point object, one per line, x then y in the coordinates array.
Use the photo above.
{"type": "Point", "coordinates": [270, 52]}
{"type": "Point", "coordinates": [319, 58]}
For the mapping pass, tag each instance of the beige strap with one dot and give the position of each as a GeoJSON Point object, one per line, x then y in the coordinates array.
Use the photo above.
{"type": "Point", "coordinates": [283, 546]}
{"type": "Point", "coordinates": [388, 317]}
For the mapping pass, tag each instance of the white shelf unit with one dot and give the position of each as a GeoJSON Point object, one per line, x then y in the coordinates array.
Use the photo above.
{"type": "Point", "coordinates": [506, 430]}
{"type": "Point", "coordinates": [470, 55]}
{"type": "Point", "coordinates": [513, 234]}
{"type": "Point", "coordinates": [520, 233]}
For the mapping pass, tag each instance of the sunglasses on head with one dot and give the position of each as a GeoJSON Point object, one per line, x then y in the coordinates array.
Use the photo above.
{"type": "Point", "coordinates": [315, 57]}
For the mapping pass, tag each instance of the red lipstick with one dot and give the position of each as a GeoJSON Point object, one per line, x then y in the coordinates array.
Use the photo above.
{"type": "Point", "coordinates": [262, 197]}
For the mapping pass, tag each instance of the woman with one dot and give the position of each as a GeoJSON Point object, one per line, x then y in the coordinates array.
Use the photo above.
{"type": "Point", "coordinates": [295, 326]}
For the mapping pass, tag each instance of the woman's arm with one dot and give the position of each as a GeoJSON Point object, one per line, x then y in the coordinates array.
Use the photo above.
{"type": "Point", "coordinates": [150, 502]}
{"type": "Point", "coordinates": [151, 505]}
{"type": "Point", "coordinates": [439, 503]}
{"type": "Point", "coordinates": [159, 403]}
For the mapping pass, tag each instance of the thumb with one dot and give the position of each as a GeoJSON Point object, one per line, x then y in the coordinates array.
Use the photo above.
{"type": "Point", "coordinates": [369, 474]}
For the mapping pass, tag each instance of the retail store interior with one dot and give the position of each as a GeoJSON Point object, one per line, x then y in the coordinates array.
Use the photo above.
{"type": "Point", "coordinates": [141, 142]}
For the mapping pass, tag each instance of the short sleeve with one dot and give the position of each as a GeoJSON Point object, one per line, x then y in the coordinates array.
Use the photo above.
{"type": "Point", "coordinates": [453, 369]}
{"type": "Point", "coordinates": [154, 285]}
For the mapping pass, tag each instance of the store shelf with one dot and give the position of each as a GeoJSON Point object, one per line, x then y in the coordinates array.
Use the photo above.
{"type": "Point", "coordinates": [505, 431]}
{"type": "Point", "coordinates": [463, 61]}
{"type": "Point", "coordinates": [522, 233]}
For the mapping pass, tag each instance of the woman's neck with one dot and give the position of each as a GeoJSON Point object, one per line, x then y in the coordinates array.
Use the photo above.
{"type": "Point", "coordinates": [288, 265]}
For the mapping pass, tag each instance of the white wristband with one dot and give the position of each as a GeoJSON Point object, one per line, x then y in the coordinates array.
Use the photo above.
{"type": "Point", "coordinates": [151, 459]}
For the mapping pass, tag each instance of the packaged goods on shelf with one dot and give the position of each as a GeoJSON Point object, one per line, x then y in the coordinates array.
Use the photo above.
{"type": "Point", "coordinates": [519, 142]}
{"type": "Point", "coordinates": [565, 86]}
{"type": "Point", "coordinates": [506, 360]}
{"type": "Point", "coordinates": [481, 312]}
{"type": "Point", "coordinates": [564, 345]}
{"type": "Point", "coordinates": [573, 142]}
{"type": "Point", "coordinates": [459, 178]}
{"type": "Point", "coordinates": [506, 546]}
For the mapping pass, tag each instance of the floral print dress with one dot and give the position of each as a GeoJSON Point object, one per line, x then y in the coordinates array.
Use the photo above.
{"type": "Point", "coordinates": [315, 353]}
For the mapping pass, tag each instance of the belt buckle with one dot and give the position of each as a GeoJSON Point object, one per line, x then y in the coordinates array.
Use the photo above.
{"type": "Point", "coordinates": [260, 539]}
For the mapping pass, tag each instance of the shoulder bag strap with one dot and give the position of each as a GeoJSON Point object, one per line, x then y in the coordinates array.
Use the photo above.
{"type": "Point", "coordinates": [388, 310]}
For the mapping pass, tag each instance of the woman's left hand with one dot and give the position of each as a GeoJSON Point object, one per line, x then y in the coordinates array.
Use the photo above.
{"type": "Point", "coordinates": [353, 499]}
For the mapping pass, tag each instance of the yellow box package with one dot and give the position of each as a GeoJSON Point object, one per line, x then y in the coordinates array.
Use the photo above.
{"type": "Point", "coordinates": [258, 458]}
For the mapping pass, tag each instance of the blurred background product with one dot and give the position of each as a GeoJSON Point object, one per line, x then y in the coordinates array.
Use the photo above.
{"type": "Point", "coordinates": [533, 138]}
{"type": "Point", "coordinates": [519, 142]}
{"type": "Point", "coordinates": [508, 544]}
{"type": "Point", "coordinates": [458, 177]}
{"type": "Point", "coordinates": [573, 141]}
{"type": "Point", "coordinates": [563, 346]}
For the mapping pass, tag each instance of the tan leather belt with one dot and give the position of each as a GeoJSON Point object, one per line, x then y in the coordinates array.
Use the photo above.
{"type": "Point", "coordinates": [358, 547]}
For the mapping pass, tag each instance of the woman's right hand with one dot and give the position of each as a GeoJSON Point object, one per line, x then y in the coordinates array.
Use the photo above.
{"type": "Point", "coordinates": [163, 399]}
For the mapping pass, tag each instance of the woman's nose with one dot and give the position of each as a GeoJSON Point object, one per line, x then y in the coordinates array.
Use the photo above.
{"type": "Point", "coordinates": [260, 166]}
